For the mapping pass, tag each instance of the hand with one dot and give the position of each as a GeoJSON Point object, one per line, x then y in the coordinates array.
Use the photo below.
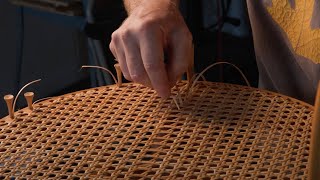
{"type": "Point", "coordinates": [153, 29]}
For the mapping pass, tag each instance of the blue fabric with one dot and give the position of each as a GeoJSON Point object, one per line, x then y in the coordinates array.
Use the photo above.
{"type": "Point", "coordinates": [73, 21]}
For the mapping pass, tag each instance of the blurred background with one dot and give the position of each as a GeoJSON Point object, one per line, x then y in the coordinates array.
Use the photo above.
{"type": "Point", "coordinates": [52, 39]}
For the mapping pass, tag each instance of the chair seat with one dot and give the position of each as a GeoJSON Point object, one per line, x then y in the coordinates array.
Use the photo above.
{"type": "Point", "coordinates": [220, 131]}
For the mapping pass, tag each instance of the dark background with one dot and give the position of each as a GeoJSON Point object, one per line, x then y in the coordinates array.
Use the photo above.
{"type": "Point", "coordinates": [35, 44]}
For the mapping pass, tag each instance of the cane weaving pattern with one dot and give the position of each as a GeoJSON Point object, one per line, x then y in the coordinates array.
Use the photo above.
{"type": "Point", "coordinates": [221, 131]}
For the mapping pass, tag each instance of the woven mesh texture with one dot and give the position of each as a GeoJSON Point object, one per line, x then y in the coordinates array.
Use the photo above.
{"type": "Point", "coordinates": [222, 131]}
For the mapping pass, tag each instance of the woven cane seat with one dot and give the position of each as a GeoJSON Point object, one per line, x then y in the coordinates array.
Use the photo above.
{"type": "Point", "coordinates": [221, 131]}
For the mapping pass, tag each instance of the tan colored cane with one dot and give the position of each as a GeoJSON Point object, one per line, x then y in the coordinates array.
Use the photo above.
{"type": "Point", "coordinates": [119, 74]}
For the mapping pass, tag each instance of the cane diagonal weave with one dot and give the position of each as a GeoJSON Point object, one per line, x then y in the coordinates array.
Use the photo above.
{"type": "Point", "coordinates": [222, 131]}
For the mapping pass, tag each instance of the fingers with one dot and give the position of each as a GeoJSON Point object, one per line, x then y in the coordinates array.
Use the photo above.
{"type": "Point", "coordinates": [139, 47]}
{"type": "Point", "coordinates": [141, 57]}
{"type": "Point", "coordinates": [179, 55]}
{"type": "Point", "coordinates": [152, 54]}
{"type": "Point", "coordinates": [118, 52]}
{"type": "Point", "coordinates": [134, 61]}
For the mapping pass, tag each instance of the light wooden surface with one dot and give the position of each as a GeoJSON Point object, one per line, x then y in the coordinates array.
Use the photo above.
{"type": "Point", "coordinates": [29, 98]}
{"type": "Point", "coordinates": [9, 101]}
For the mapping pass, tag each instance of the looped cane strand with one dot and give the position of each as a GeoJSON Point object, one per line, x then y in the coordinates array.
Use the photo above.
{"type": "Point", "coordinates": [218, 63]}
{"type": "Point", "coordinates": [25, 86]}
{"type": "Point", "coordinates": [105, 69]}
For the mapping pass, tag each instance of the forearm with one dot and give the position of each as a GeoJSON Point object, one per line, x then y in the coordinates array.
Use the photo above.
{"type": "Point", "coordinates": [130, 5]}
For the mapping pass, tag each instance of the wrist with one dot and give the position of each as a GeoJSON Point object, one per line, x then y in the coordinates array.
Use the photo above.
{"type": "Point", "coordinates": [131, 5]}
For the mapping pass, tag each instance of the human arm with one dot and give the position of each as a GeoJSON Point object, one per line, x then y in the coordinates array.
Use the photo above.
{"type": "Point", "coordinates": [130, 5]}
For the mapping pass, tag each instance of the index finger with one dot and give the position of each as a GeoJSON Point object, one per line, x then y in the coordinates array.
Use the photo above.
{"type": "Point", "coordinates": [152, 54]}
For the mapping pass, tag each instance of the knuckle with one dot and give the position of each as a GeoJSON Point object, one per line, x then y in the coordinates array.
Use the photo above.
{"type": "Point", "coordinates": [113, 50]}
{"type": "Point", "coordinates": [111, 47]}
{"type": "Point", "coordinates": [126, 34]}
{"type": "Point", "coordinates": [137, 77]}
{"type": "Point", "coordinates": [114, 36]}
{"type": "Point", "coordinates": [151, 67]}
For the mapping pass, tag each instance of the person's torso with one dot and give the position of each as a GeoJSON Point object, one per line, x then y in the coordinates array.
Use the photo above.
{"type": "Point", "coordinates": [286, 37]}
{"type": "Point", "coordinates": [287, 45]}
